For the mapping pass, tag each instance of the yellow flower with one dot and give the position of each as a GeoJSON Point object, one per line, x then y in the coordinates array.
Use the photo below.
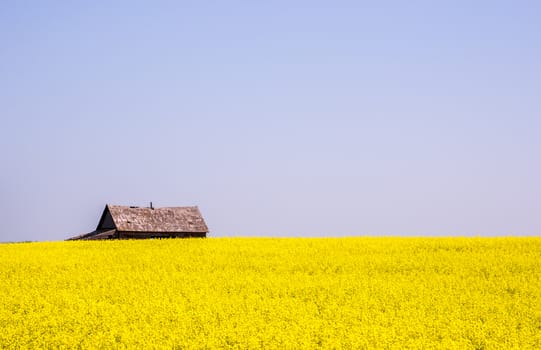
{"type": "Point", "coordinates": [248, 293]}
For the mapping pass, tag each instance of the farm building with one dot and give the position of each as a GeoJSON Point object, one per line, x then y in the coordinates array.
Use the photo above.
{"type": "Point", "coordinates": [118, 222]}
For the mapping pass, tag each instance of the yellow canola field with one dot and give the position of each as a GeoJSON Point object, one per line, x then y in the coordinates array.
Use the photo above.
{"type": "Point", "coordinates": [242, 293]}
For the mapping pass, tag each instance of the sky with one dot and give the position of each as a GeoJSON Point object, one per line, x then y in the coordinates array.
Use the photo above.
{"type": "Point", "coordinates": [279, 118]}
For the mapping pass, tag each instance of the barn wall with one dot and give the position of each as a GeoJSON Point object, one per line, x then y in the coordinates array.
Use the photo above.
{"type": "Point", "coordinates": [103, 235]}
{"type": "Point", "coordinates": [143, 235]}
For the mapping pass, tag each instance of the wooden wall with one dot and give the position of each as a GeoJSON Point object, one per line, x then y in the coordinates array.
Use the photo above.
{"type": "Point", "coordinates": [143, 235]}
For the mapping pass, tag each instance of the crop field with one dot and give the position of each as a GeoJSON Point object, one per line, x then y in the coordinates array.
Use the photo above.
{"type": "Point", "coordinates": [289, 293]}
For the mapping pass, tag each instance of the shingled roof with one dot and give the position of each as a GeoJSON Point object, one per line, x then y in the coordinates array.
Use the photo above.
{"type": "Point", "coordinates": [134, 222]}
{"type": "Point", "coordinates": [171, 219]}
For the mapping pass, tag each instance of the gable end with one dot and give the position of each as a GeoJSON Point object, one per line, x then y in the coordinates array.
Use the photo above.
{"type": "Point", "coordinates": [106, 221]}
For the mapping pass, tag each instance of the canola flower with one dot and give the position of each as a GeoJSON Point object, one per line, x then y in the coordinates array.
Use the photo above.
{"type": "Point", "coordinates": [250, 293]}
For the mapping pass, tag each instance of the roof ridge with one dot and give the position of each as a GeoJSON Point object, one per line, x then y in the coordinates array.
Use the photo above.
{"type": "Point", "coordinates": [138, 207]}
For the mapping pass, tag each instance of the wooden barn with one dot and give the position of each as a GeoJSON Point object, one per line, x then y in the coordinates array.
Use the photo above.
{"type": "Point", "coordinates": [120, 222]}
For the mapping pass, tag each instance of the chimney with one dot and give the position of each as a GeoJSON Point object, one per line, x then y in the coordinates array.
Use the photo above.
{"type": "Point", "coordinates": [151, 207]}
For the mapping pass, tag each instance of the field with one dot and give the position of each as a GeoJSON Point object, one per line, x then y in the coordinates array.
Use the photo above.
{"type": "Point", "coordinates": [350, 293]}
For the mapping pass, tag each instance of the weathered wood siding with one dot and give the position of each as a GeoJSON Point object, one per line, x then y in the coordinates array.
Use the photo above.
{"type": "Point", "coordinates": [134, 234]}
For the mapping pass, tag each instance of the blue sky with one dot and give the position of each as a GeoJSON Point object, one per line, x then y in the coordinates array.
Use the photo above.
{"type": "Point", "coordinates": [294, 118]}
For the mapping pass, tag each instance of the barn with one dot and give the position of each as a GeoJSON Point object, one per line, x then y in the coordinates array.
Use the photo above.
{"type": "Point", "coordinates": [121, 222]}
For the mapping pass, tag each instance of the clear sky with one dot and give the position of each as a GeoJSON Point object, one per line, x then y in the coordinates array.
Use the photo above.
{"type": "Point", "coordinates": [293, 118]}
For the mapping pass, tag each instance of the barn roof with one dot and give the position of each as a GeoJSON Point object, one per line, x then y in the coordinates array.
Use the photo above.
{"type": "Point", "coordinates": [172, 219]}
